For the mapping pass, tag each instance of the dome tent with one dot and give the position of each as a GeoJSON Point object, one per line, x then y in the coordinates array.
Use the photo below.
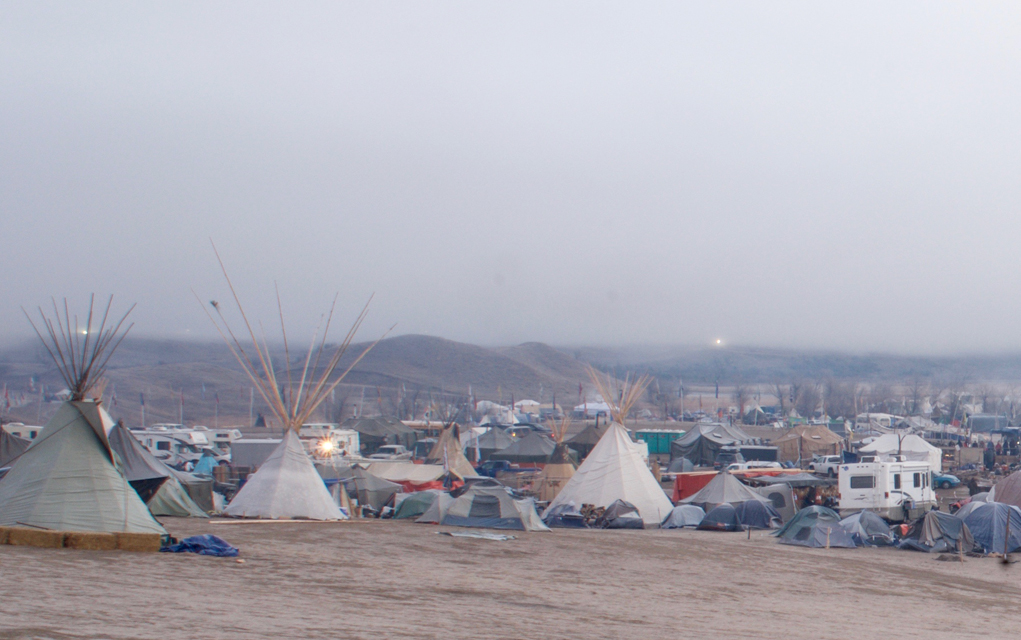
{"type": "Point", "coordinates": [725, 488]}
{"type": "Point", "coordinates": [684, 515]}
{"type": "Point", "coordinates": [492, 508]}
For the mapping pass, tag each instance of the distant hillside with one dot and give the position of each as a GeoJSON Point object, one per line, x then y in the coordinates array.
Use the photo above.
{"type": "Point", "coordinates": [401, 375]}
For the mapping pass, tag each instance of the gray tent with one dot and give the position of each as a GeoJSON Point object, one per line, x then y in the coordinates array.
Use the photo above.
{"type": "Point", "coordinates": [585, 440]}
{"type": "Point", "coordinates": [702, 443]}
{"type": "Point", "coordinates": [781, 497]}
{"type": "Point", "coordinates": [368, 489]}
{"type": "Point", "coordinates": [685, 515]}
{"type": "Point", "coordinates": [415, 504]}
{"type": "Point", "coordinates": [492, 508]}
{"type": "Point", "coordinates": [723, 489]}
{"type": "Point", "coordinates": [493, 440]}
{"type": "Point", "coordinates": [156, 483]}
{"type": "Point", "coordinates": [67, 481]}
{"type": "Point", "coordinates": [809, 516]}
{"type": "Point", "coordinates": [11, 446]}
{"type": "Point", "coordinates": [532, 448]}
{"type": "Point", "coordinates": [377, 431]}
{"type": "Point", "coordinates": [939, 532]}
{"type": "Point", "coordinates": [988, 524]}
{"type": "Point", "coordinates": [868, 529]}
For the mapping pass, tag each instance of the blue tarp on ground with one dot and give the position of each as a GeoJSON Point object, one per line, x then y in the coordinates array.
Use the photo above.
{"type": "Point", "coordinates": [204, 545]}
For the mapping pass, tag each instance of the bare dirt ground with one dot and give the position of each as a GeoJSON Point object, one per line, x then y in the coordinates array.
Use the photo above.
{"type": "Point", "coordinates": [384, 579]}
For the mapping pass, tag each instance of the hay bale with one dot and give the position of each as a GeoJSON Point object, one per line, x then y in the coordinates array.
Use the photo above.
{"type": "Point", "coordinates": [5, 534]}
{"type": "Point", "coordinates": [139, 541]}
{"type": "Point", "coordinates": [90, 541]}
{"type": "Point", "coordinates": [35, 538]}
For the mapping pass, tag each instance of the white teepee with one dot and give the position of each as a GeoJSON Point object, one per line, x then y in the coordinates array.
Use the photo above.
{"type": "Point", "coordinates": [287, 485]}
{"type": "Point", "coordinates": [615, 470]}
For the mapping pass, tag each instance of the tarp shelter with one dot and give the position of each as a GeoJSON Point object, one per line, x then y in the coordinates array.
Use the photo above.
{"type": "Point", "coordinates": [616, 470]}
{"type": "Point", "coordinates": [534, 447]}
{"type": "Point", "coordinates": [797, 480]}
{"type": "Point", "coordinates": [447, 452]}
{"type": "Point", "coordinates": [781, 497]}
{"type": "Point", "coordinates": [684, 515]}
{"type": "Point", "coordinates": [11, 446]}
{"type": "Point", "coordinates": [939, 532]}
{"type": "Point", "coordinates": [757, 515]}
{"type": "Point", "coordinates": [868, 529]}
{"type": "Point", "coordinates": [415, 504]}
{"type": "Point", "coordinates": [1007, 491]}
{"type": "Point", "coordinates": [804, 441]}
{"type": "Point", "coordinates": [206, 464]}
{"type": "Point", "coordinates": [493, 440]}
{"type": "Point", "coordinates": [492, 508]}
{"type": "Point", "coordinates": [988, 525]}
{"type": "Point", "coordinates": [377, 431]}
{"type": "Point", "coordinates": [620, 515]}
{"type": "Point", "coordinates": [156, 484]}
{"type": "Point", "coordinates": [723, 489]}
{"type": "Point", "coordinates": [287, 485]}
{"type": "Point", "coordinates": [586, 440]}
{"type": "Point", "coordinates": [67, 481]}
{"type": "Point", "coordinates": [555, 475]}
{"type": "Point", "coordinates": [910, 446]}
{"type": "Point", "coordinates": [413, 477]}
{"type": "Point", "coordinates": [721, 518]}
{"type": "Point", "coordinates": [368, 489]}
{"type": "Point", "coordinates": [703, 442]}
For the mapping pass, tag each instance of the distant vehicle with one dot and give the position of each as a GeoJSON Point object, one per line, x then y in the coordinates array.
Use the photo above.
{"type": "Point", "coordinates": [826, 465]}
{"type": "Point", "coordinates": [22, 430]}
{"type": "Point", "coordinates": [727, 458]}
{"type": "Point", "coordinates": [519, 431]}
{"type": "Point", "coordinates": [897, 490]}
{"type": "Point", "coordinates": [422, 448]}
{"type": "Point", "coordinates": [754, 464]}
{"type": "Point", "coordinates": [945, 480]}
{"type": "Point", "coordinates": [391, 452]}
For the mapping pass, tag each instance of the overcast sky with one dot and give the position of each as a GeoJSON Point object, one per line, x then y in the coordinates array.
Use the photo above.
{"type": "Point", "coordinates": [806, 175]}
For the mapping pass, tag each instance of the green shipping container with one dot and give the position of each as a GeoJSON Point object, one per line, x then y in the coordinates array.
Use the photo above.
{"type": "Point", "coordinates": [658, 439]}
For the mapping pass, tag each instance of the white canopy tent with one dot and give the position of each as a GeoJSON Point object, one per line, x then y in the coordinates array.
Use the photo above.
{"type": "Point", "coordinates": [910, 446]}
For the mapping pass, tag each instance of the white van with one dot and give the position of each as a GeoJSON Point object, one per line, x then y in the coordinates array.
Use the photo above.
{"type": "Point", "coordinates": [896, 489]}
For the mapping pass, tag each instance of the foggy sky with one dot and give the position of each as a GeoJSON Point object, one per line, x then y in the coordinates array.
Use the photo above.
{"type": "Point", "coordinates": [806, 175]}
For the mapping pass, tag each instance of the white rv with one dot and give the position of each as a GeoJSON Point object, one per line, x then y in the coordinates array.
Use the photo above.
{"type": "Point", "coordinates": [177, 445]}
{"type": "Point", "coordinates": [896, 489]}
{"type": "Point", "coordinates": [326, 440]}
{"type": "Point", "coordinates": [28, 432]}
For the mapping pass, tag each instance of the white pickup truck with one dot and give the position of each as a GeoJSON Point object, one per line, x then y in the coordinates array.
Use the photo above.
{"type": "Point", "coordinates": [826, 465]}
{"type": "Point", "coordinates": [391, 452]}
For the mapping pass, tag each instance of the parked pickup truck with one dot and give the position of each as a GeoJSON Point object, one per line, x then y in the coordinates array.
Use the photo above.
{"type": "Point", "coordinates": [391, 452]}
{"type": "Point", "coordinates": [826, 465]}
{"type": "Point", "coordinates": [492, 467]}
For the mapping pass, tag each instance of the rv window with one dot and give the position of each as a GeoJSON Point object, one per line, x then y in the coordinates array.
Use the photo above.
{"type": "Point", "coordinates": [32, 434]}
{"type": "Point", "coordinates": [863, 482]}
{"type": "Point", "coordinates": [896, 481]}
{"type": "Point", "coordinates": [918, 480]}
{"type": "Point", "coordinates": [163, 446]}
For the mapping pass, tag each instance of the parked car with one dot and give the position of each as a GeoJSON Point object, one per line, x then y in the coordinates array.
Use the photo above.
{"type": "Point", "coordinates": [492, 467]}
{"type": "Point", "coordinates": [945, 480]}
{"type": "Point", "coordinates": [826, 465]}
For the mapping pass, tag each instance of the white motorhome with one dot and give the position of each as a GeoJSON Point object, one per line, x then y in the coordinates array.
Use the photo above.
{"type": "Point", "coordinates": [326, 440]}
{"type": "Point", "coordinates": [176, 445]}
{"type": "Point", "coordinates": [28, 432]}
{"type": "Point", "coordinates": [221, 438]}
{"type": "Point", "coordinates": [864, 421]}
{"type": "Point", "coordinates": [896, 489]}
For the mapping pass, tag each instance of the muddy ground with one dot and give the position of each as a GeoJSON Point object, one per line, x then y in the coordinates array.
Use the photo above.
{"type": "Point", "coordinates": [385, 579]}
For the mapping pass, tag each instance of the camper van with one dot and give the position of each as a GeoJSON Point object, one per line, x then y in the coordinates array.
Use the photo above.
{"type": "Point", "coordinates": [896, 489]}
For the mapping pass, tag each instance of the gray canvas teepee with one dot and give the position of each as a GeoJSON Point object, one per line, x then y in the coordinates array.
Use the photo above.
{"type": "Point", "coordinates": [67, 480]}
{"type": "Point", "coordinates": [287, 484]}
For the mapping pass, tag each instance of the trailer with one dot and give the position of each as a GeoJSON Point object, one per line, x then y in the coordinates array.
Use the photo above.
{"type": "Point", "coordinates": [897, 489]}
